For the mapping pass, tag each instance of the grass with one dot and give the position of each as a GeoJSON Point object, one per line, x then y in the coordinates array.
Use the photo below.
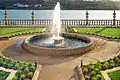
{"type": "Point", "coordinates": [11, 31]}
{"type": "Point", "coordinates": [3, 75]}
{"type": "Point", "coordinates": [115, 75]}
{"type": "Point", "coordinates": [113, 32]}
{"type": "Point", "coordinates": [88, 30]}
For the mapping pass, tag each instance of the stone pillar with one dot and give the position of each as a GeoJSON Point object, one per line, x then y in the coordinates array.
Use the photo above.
{"type": "Point", "coordinates": [87, 16]}
{"type": "Point", "coordinates": [32, 17]}
{"type": "Point", "coordinates": [114, 17]}
{"type": "Point", "coordinates": [5, 17]}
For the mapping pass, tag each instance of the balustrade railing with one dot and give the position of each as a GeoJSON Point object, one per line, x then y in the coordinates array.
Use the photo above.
{"type": "Point", "coordinates": [63, 22]}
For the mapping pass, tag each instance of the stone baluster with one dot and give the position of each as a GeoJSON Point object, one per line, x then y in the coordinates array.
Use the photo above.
{"type": "Point", "coordinates": [114, 17]}
{"type": "Point", "coordinates": [32, 17]}
{"type": "Point", "coordinates": [5, 16]}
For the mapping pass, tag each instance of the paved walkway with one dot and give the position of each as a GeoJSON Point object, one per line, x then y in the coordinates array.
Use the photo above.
{"type": "Point", "coordinates": [60, 68]}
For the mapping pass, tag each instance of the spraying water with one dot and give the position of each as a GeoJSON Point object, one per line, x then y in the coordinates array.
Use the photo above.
{"type": "Point", "coordinates": [56, 21]}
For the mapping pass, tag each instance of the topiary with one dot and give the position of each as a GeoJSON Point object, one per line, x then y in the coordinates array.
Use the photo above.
{"type": "Point", "coordinates": [87, 77]}
{"type": "Point", "coordinates": [105, 66]}
{"type": "Point", "coordinates": [111, 61]}
{"type": "Point", "coordinates": [97, 70]}
{"type": "Point", "coordinates": [98, 65]}
{"type": "Point", "coordinates": [116, 59]}
{"type": "Point", "coordinates": [93, 73]}
{"type": "Point", "coordinates": [26, 70]}
{"type": "Point", "coordinates": [99, 77]}
{"type": "Point", "coordinates": [118, 63]}
{"type": "Point", "coordinates": [94, 78]}
{"type": "Point", "coordinates": [32, 68]}
{"type": "Point", "coordinates": [22, 77]}
{"type": "Point", "coordinates": [18, 73]}
{"type": "Point", "coordinates": [85, 70]}
{"type": "Point", "coordinates": [112, 65]}
{"type": "Point", "coordinates": [15, 78]}
{"type": "Point", "coordinates": [17, 66]}
{"type": "Point", "coordinates": [30, 75]}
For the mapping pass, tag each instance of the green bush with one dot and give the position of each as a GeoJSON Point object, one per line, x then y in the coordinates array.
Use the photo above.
{"type": "Point", "coordinates": [15, 78]}
{"type": "Point", "coordinates": [97, 70]}
{"type": "Point", "coordinates": [112, 65]}
{"type": "Point", "coordinates": [18, 72]}
{"type": "Point", "coordinates": [98, 65]}
{"type": "Point", "coordinates": [30, 75]}
{"type": "Point", "coordinates": [111, 61]}
{"type": "Point", "coordinates": [87, 77]}
{"type": "Point", "coordinates": [99, 77]}
{"type": "Point", "coordinates": [116, 59]}
{"type": "Point", "coordinates": [32, 68]}
{"type": "Point", "coordinates": [26, 70]}
{"type": "Point", "coordinates": [105, 66]}
{"type": "Point", "coordinates": [93, 73]}
{"type": "Point", "coordinates": [91, 67]}
{"type": "Point", "coordinates": [94, 78]}
{"type": "Point", "coordinates": [85, 70]}
{"type": "Point", "coordinates": [22, 77]}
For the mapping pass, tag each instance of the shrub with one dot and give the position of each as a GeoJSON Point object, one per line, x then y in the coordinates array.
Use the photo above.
{"type": "Point", "coordinates": [87, 77]}
{"type": "Point", "coordinates": [91, 67]}
{"type": "Point", "coordinates": [98, 65]}
{"type": "Point", "coordinates": [26, 70]}
{"type": "Point", "coordinates": [116, 59]}
{"type": "Point", "coordinates": [19, 72]}
{"type": "Point", "coordinates": [112, 65]}
{"type": "Point", "coordinates": [17, 66]}
{"type": "Point", "coordinates": [15, 78]}
{"type": "Point", "coordinates": [111, 61]}
{"type": "Point", "coordinates": [105, 66]}
{"type": "Point", "coordinates": [94, 78]}
{"type": "Point", "coordinates": [85, 70]}
{"type": "Point", "coordinates": [96, 70]}
{"type": "Point", "coordinates": [93, 73]}
{"type": "Point", "coordinates": [22, 77]}
{"type": "Point", "coordinates": [99, 77]}
{"type": "Point", "coordinates": [32, 68]}
{"type": "Point", "coordinates": [30, 75]}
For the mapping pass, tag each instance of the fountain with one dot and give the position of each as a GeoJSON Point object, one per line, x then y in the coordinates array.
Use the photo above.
{"type": "Point", "coordinates": [56, 43]}
{"type": "Point", "coordinates": [56, 26]}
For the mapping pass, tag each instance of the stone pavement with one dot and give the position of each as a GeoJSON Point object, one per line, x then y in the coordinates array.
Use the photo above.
{"type": "Point", "coordinates": [60, 68]}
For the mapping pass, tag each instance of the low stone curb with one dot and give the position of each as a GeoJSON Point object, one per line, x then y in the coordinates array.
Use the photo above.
{"type": "Point", "coordinates": [79, 73]}
{"type": "Point", "coordinates": [12, 73]}
{"type": "Point", "coordinates": [105, 73]}
{"type": "Point", "coordinates": [37, 72]}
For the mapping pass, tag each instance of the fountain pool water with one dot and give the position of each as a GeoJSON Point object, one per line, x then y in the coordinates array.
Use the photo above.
{"type": "Point", "coordinates": [57, 43]}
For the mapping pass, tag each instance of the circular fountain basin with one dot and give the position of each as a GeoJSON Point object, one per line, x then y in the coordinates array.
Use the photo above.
{"type": "Point", "coordinates": [72, 44]}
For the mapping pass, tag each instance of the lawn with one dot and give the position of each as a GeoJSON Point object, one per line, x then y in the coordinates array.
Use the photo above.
{"type": "Point", "coordinates": [3, 75]}
{"type": "Point", "coordinates": [113, 32]}
{"type": "Point", "coordinates": [11, 31]}
{"type": "Point", "coordinates": [115, 75]}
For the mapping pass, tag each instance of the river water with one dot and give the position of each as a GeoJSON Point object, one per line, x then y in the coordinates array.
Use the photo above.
{"type": "Point", "coordinates": [65, 14]}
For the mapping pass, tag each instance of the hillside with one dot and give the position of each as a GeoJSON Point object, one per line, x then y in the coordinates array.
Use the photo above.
{"type": "Point", "coordinates": [65, 4]}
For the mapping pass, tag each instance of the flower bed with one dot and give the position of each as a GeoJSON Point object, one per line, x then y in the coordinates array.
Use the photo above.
{"type": "Point", "coordinates": [25, 70]}
{"type": "Point", "coordinates": [92, 71]}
